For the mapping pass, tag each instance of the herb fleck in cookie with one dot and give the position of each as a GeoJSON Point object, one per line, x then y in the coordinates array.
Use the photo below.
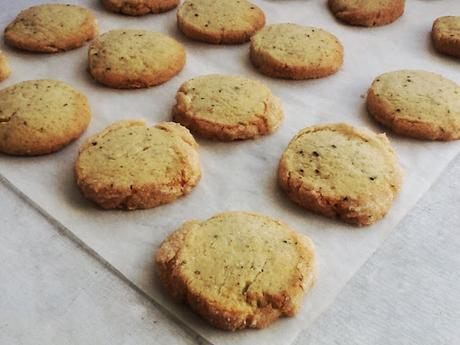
{"type": "Point", "coordinates": [227, 108]}
{"type": "Point", "coordinates": [293, 51]}
{"type": "Point", "coordinates": [367, 12]}
{"type": "Point", "coordinates": [129, 59]}
{"type": "Point", "coordinates": [415, 103]}
{"type": "Point", "coordinates": [51, 28]}
{"type": "Point", "coordinates": [446, 35]}
{"type": "Point", "coordinates": [5, 70]}
{"type": "Point", "coordinates": [139, 7]}
{"type": "Point", "coordinates": [237, 269]}
{"type": "Point", "coordinates": [220, 21]}
{"type": "Point", "coordinates": [41, 116]}
{"type": "Point", "coordinates": [341, 172]}
{"type": "Point", "coordinates": [131, 166]}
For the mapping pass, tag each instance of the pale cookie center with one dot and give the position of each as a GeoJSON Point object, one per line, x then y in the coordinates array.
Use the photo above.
{"type": "Point", "coordinates": [225, 102]}
{"type": "Point", "coordinates": [220, 15]}
{"type": "Point", "coordinates": [135, 155]}
{"type": "Point", "coordinates": [338, 165]}
{"type": "Point", "coordinates": [240, 262]}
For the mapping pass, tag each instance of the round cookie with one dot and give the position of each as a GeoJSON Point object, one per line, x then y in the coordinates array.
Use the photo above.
{"type": "Point", "coordinates": [446, 35]}
{"type": "Point", "coordinates": [51, 28]}
{"type": "Point", "coordinates": [367, 12]}
{"type": "Point", "coordinates": [237, 269]}
{"type": "Point", "coordinates": [5, 70]}
{"type": "Point", "coordinates": [227, 107]}
{"type": "Point", "coordinates": [220, 21]}
{"type": "Point", "coordinates": [293, 51]}
{"type": "Point", "coordinates": [130, 59]}
{"type": "Point", "coordinates": [41, 116]}
{"type": "Point", "coordinates": [341, 172]}
{"type": "Point", "coordinates": [131, 166]}
{"type": "Point", "coordinates": [139, 7]}
{"type": "Point", "coordinates": [416, 103]}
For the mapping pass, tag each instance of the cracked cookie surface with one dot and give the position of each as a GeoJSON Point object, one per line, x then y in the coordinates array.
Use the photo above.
{"type": "Point", "coordinates": [416, 103]}
{"type": "Point", "coordinates": [237, 269]}
{"type": "Point", "coordinates": [135, 58]}
{"type": "Point", "coordinates": [41, 116]}
{"type": "Point", "coordinates": [220, 21]}
{"type": "Point", "coordinates": [51, 28]}
{"type": "Point", "coordinates": [293, 51]}
{"type": "Point", "coordinates": [5, 70]}
{"type": "Point", "coordinates": [131, 166]}
{"type": "Point", "coordinates": [341, 172]}
{"type": "Point", "coordinates": [446, 35]}
{"type": "Point", "coordinates": [139, 7]}
{"type": "Point", "coordinates": [227, 107]}
{"type": "Point", "coordinates": [367, 12]}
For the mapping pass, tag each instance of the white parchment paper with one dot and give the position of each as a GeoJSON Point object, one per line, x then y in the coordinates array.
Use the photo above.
{"type": "Point", "coordinates": [240, 175]}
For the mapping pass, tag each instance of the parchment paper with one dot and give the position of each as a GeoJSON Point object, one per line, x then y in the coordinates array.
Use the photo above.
{"type": "Point", "coordinates": [240, 175]}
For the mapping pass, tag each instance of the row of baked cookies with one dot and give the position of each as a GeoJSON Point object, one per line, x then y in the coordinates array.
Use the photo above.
{"type": "Point", "coordinates": [136, 58]}
{"type": "Point", "coordinates": [215, 14]}
{"type": "Point", "coordinates": [39, 117]}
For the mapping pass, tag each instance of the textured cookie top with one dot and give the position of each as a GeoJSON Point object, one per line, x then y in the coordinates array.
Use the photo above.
{"type": "Point", "coordinates": [418, 97]}
{"type": "Point", "coordinates": [367, 12]}
{"type": "Point", "coordinates": [51, 28]}
{"type": "Point", "coordinates": [296, 45]}
{"type": "Point", "coordinates": [343, 162]}
{"type": "Point", "coordinates": [139, 7]}
{"type": "Point", "coordinates": [135, 54]}
{"type": "Point", "coordinates": [240, 262]}
{"type": "Point", "coordinates": [447, 27]}
{"type": "Point", "coordinates": [221, 17]}
{"type": "Point", "coordinates": [362, 6]}
{"type": "Point", "coordinates": [128, 153]}
{"type": "Point", "coordinates": [39, 116]}
{"type": "Point", "coordinates": [225, 100]}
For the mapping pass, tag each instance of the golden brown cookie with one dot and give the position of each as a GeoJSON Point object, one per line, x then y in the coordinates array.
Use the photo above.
{"type": "Point", "coordinates": [129, 59]}
{"type": "Point", "coordinates": [5, 70]}
{"type": "Point", "coordinates": [237, 269]}
{"type": "Point", "coordinates": [131, 166]}
{"type": "Point", "coordinates": [51, 28]}
{"type": "Point", "coordinates": [367, 12]}
{"type": "Point", "coordinates": [41, 116]}
{"type": "Point", "coordinates": [293, 51]}
{"type": "Point", "coordinates": [446, 35]}
{"type": "Point", "coordinates": [220, 21]}
{"type": "Point", "coordinates": [415, 103]}
{"type": "Point", "coordinates": [227, 108]}
{"type": "Point", "coordinates": [341, 172]}
{"type": "Point", "coordinates": [139, 7]}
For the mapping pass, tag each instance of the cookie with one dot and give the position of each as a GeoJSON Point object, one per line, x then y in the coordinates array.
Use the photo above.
{"type": "Point", "coordinates": [41, 116]}
{"type": "Point", "coordinates": [417, 104]}
{"type": "Point", "coordinates": [446, 35]}
{"type": "Point", "coordinates": [227, 108]}
{"type": "Point", "coordinates": [293, 51]}
{"type": "Point", "coordinates": [130, 59]}
{"type": "Point", "coordinates": [367, 12]}
{"type": "Point", "coordinates": [51, 28]}
{"type": "Point", "coordinates": [131, 166]}
{"type": "Point", "coordinates": [139, 7]}
{"type": "Point", "coordinates": [237, 269]}
{"type": "Point", "coordinates": [5, 70]}
{"type": "Point", "coordinates": [220, 21]}
{"type": "Point", "coordinates": [341, 172]}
